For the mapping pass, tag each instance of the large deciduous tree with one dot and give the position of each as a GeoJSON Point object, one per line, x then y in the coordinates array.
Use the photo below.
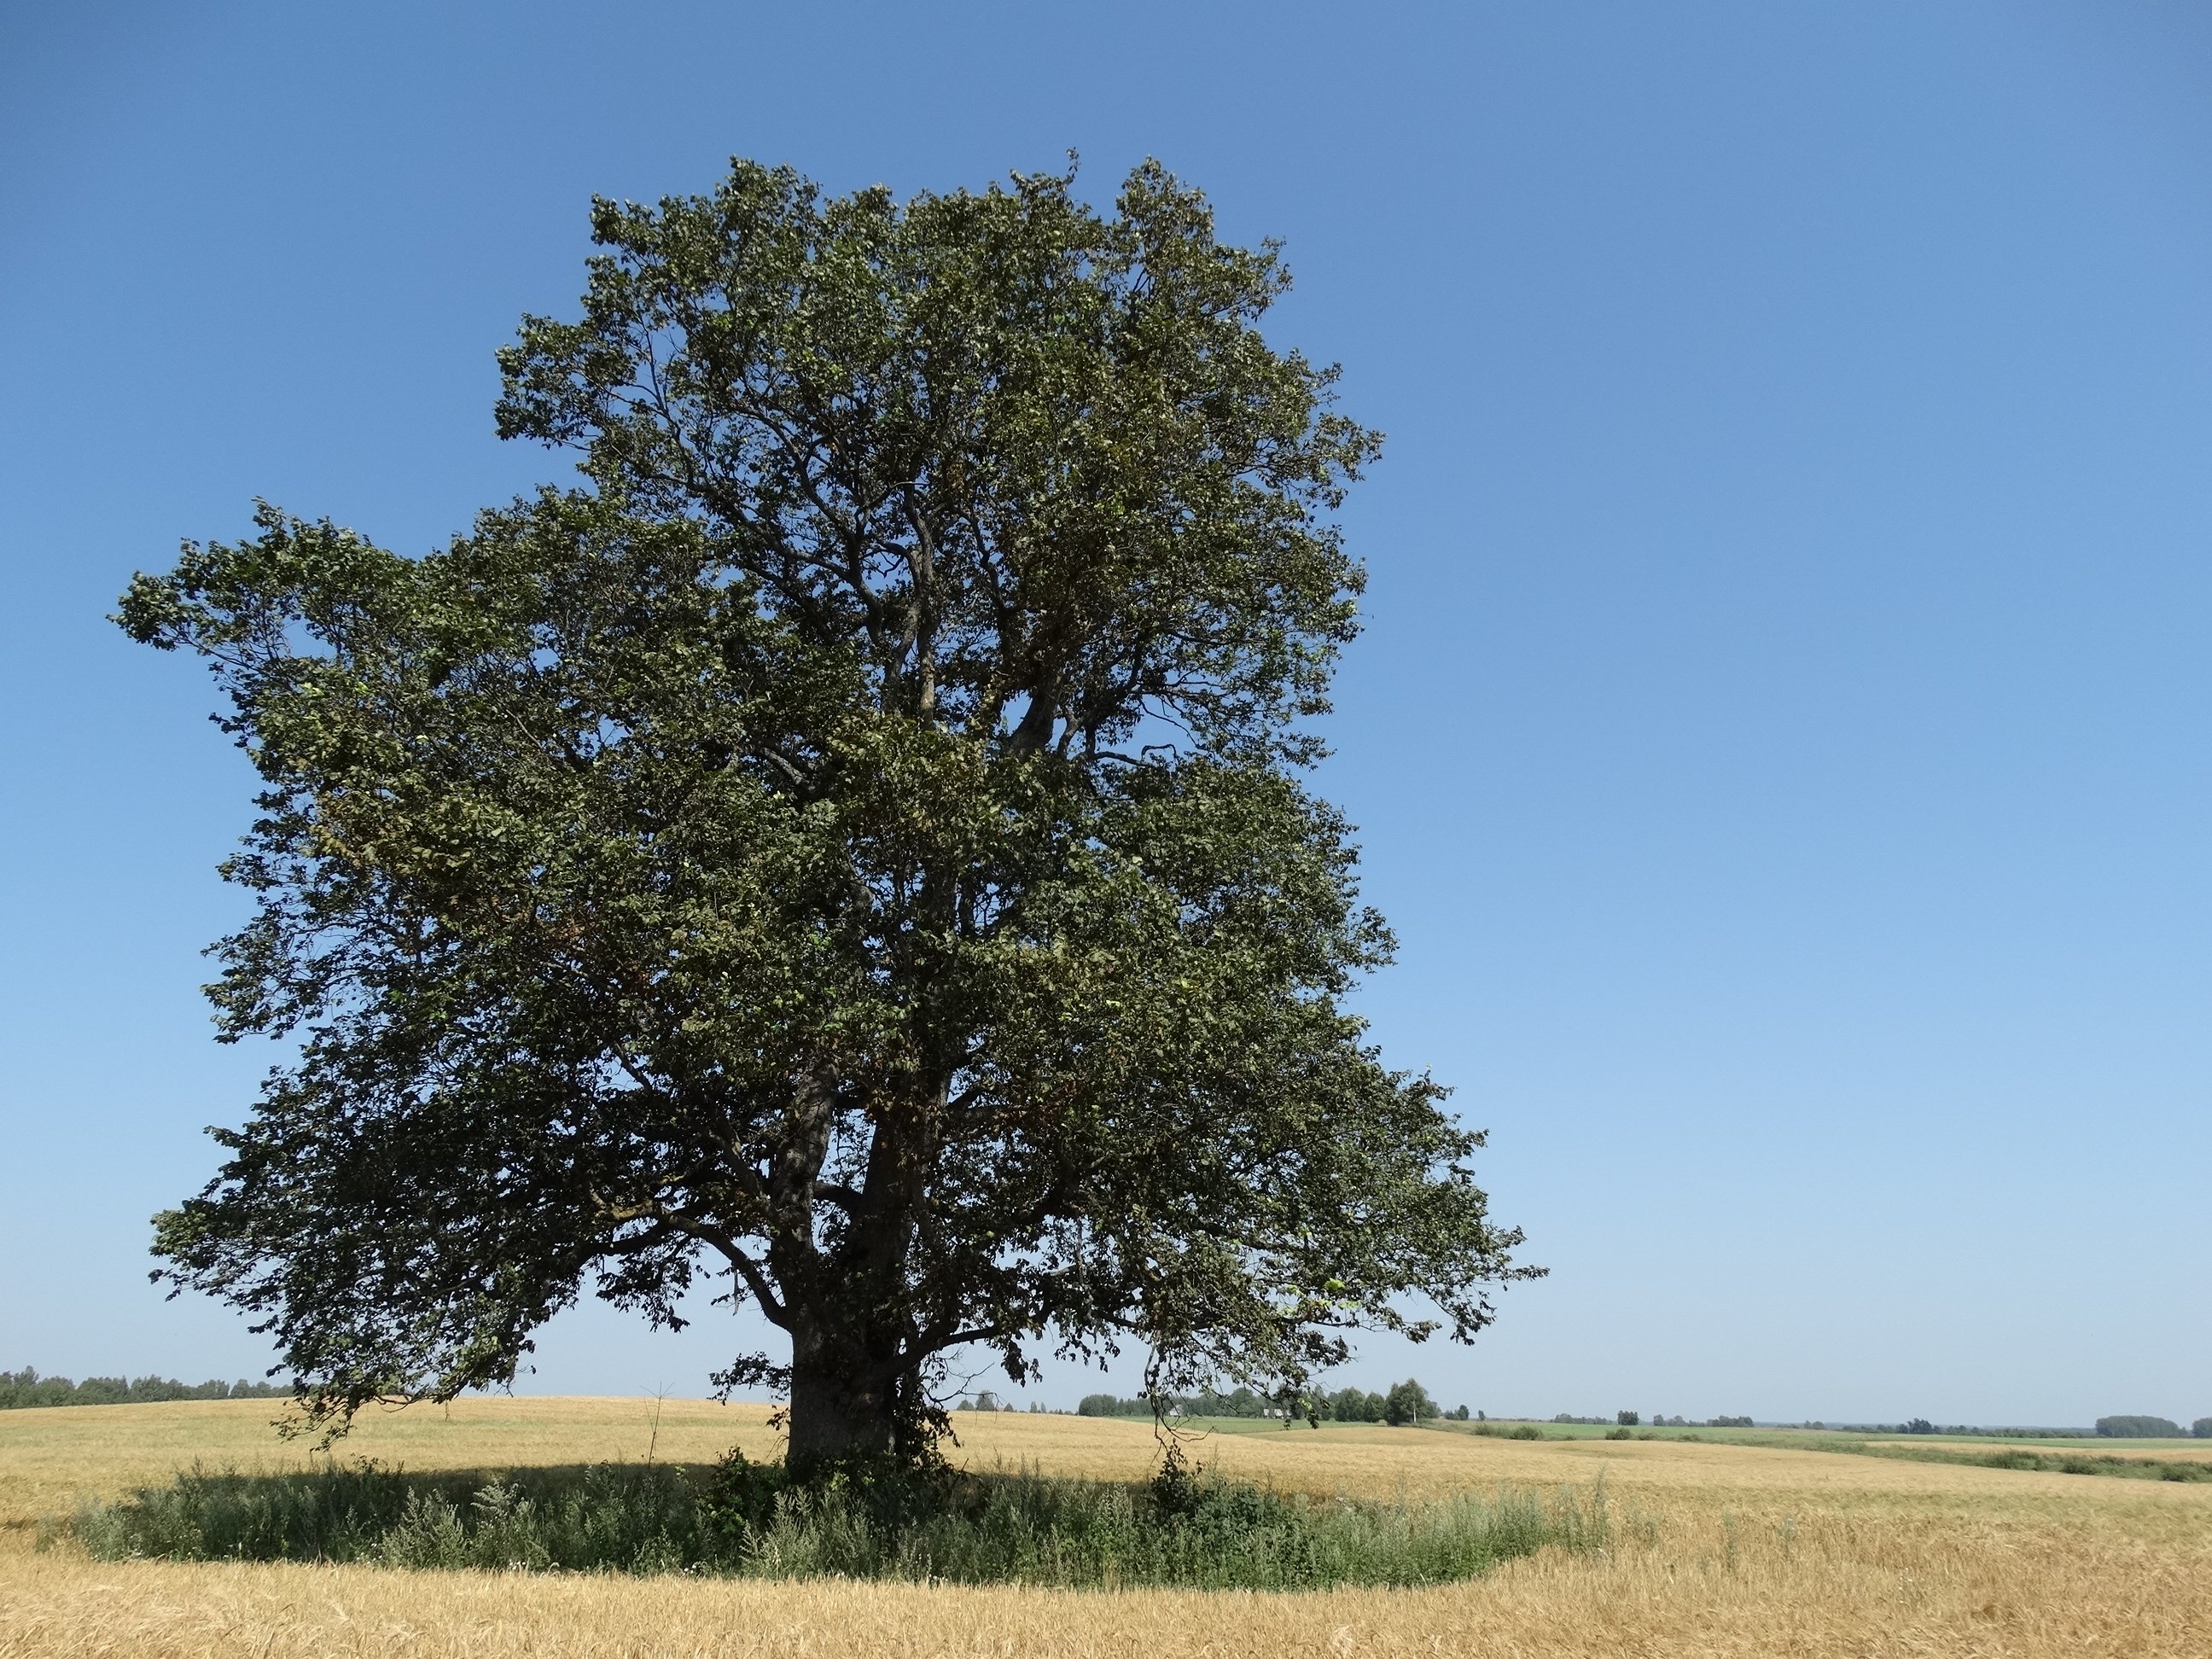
{"type": "Point", "coordinates": [853, 845]}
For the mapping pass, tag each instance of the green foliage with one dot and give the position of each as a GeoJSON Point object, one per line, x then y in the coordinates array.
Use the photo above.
{"type": "Point", "coordinates": [2020, 1457]}
{"type": "Point", "coordinates": [1242, 1402]}
{"type": "Point", "coordinates": [1627, 1419]}
{"type": "Point", "coordinates": [875, 1522]}
{"type": "Point", "coordinates": [1407, 1403]}
{"type": "Point", "coordinates": [1960, 1429]}
{"type": "Point", "coordinates": [2202, 1429]}
{"type": "Point", "coordinates": [855, 848]}
{"type": "Point", "coordinates": [1239, 1401]}
{"type": "Point", "coordinates": [2138, 1428]}
{"type": "Point", "coordinates": [1358, 1406]}
{"type": "Point", "coordinates": [27, 1387]}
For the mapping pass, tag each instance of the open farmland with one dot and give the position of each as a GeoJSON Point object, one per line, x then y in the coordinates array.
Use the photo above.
{"type": "Point", "coordinates": [1717, 1549]}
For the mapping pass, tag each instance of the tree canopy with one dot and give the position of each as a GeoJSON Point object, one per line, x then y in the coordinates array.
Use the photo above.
{"type": "Point", "coordinates": [2139, 1428]}
{"type": "Point", "coordinates": [853, 844]}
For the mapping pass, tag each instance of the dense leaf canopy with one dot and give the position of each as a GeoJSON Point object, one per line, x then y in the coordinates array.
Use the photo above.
{"type": "Point", "coordinates": [852, 845]}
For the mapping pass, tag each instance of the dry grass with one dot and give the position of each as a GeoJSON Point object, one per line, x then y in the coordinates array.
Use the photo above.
{"type": "Point", "coordinates": [1721, 1550]}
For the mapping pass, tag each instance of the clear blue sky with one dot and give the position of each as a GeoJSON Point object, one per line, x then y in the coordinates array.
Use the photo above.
{"type": "Point", "coordinates": [1780, 738]}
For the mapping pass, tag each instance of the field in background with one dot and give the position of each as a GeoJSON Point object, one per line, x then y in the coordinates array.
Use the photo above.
{"type": "Point", "coordinates": [1720, 1548]}
{"type": "Point", "coordinates": [1814, 1439]}
{"type": "Point", "coordinates": [1935, 1446]}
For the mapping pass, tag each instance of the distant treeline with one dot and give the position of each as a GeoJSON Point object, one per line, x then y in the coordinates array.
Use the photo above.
{"type": "Point", "coordinates": [1660, 1420]}
{"type": "Point", "coordinates": [1921, 1425]}
{"type": "Point", "coordinates": [1407, 1403]}
{"type": "Point", "coordinates": [2153, 1428]}
{"type": "Point", "coordinates": [2108, 1428]}
{"type": "Point", "coordinates": [27, 1387]}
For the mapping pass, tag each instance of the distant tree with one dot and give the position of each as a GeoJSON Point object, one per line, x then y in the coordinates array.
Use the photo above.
{"type": "Point", "coordinates": [1239, 1401]}
{"type": "Point", "coordinates": [1458, 1413]}
{"type": "Point", "coordinates": [1407, 1403]}
{"type": "Point", "coordinates": [1729, 1423]}
{"type": "Point", "coordinates": [2139, 1428]}
{"type": "Point", "coordinates": [2202, 1428]}
{"type": "Point", "coordinates": [27, 1387]}
{"type": "Point", "coordinates": [1627, 1419]}
{"type": "Point", "coordinates": [1358, 1405]}
{"type": "Point", "coordinates": [857, 847]}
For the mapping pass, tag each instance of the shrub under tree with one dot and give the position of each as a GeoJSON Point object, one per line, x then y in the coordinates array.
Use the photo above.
{"type": "Point", "coordinates": [855, 846]}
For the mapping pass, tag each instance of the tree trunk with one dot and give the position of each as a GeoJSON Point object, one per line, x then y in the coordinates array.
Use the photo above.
{"type": "Point", "coordinates": [843, 1404]}
{"type": "Point", "coordinates": [852, 1376]}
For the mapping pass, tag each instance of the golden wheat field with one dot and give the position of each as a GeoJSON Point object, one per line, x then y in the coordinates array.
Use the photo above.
{"type": "Point", "coordinates": [1718, 1550]}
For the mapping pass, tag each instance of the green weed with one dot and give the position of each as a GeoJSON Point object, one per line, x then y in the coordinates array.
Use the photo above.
{"type": "Point", "coordinates": [1187, 1529]}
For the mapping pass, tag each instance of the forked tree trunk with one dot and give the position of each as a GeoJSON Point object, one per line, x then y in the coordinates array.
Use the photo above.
{"type": "Point", "coordinates": [851, 1378]}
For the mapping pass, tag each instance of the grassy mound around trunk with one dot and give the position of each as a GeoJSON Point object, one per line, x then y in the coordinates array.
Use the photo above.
{"type": "Point", "coordinates": [1183, 1528]}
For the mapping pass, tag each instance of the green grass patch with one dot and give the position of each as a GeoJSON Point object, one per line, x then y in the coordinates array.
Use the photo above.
{"type": "Point", "coordinates": [1507, 1428]}
{"type": "Point", "coordinates": [2060, 1462]}
{"type": "Point", "coordinates": [2045, 1441]}
{"type": "Point", "coordinates": [2049, 1457]}
{"type": "Point", "coordinates": [1187, 1529]}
